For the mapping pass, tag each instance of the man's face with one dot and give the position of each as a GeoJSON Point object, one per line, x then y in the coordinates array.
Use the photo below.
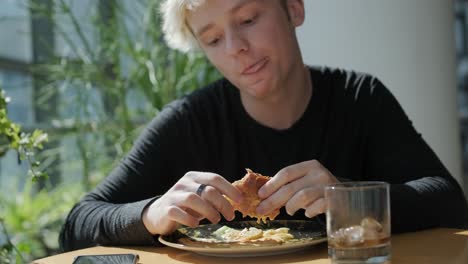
{"type": "Point", "coordinates": [251, 42]}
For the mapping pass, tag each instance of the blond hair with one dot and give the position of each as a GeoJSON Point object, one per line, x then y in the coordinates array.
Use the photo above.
{"type": "Point", "coordinates": [177, 33]}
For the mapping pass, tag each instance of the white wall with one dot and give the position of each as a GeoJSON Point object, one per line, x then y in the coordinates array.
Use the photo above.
{"type": "Point", "coordinates": [408, 44]}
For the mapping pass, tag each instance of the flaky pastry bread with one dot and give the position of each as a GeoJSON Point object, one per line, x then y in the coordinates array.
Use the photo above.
{"type": "Point", "coordinates": [249, 186]}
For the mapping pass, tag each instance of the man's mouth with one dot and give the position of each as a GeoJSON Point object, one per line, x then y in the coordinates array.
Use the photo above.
{"type": "Point", "coordinates": [255, 67]}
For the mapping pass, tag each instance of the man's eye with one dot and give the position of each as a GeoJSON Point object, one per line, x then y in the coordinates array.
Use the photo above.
{"type": "Point", "coordinates": [213, 42]}
{"type": "Point", "coordinates": [249, 21]}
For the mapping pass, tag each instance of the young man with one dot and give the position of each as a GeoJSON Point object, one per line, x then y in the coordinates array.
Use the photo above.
{"type": "Point", "coordinates": [307, 127]}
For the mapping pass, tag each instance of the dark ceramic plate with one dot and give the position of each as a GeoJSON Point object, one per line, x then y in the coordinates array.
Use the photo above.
{"type": "Point", "coordinates": [202, 241]}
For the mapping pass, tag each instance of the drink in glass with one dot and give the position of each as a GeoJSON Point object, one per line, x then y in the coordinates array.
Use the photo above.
{"type": "Point", "coordinates": [358, 222]}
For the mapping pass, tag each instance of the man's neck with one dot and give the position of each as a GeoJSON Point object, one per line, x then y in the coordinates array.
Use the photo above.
{"type": "Point", "coordinates": [283, 109]}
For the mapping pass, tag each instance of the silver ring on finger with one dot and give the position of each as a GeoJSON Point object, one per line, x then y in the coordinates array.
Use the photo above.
{"type": "Point", "coordinates": [200, 189]}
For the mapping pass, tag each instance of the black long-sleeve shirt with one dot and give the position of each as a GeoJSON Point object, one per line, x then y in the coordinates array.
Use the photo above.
{"type": "Point", "coordinates": [353, 125]}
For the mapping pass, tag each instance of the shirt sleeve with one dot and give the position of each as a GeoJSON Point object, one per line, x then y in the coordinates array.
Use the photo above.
{"type": "Point", "coordinates": [112, 213]}
{"type": "Point", "coordinates": [423, 193]}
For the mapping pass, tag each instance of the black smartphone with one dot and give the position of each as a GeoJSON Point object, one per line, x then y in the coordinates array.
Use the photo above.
{"type": "Point", "coordinates": [107, 259]}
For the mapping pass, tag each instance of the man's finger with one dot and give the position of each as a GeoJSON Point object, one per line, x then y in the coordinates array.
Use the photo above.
{"type": "Point", "coordinates": [279, 198]}
{"type": "Point", "coordinates": [316, 208]}
{"type": "Point", "coordinates": [200, 206]}
{"type": "Point", "coordinates": [286, 175]}
{"type": "Point", "coordinates": [219, 202]}
{"type": "Point", "coordinates": [221, 184]}
{"type": "Point", "coordinates": [178, 215]}
{"type": "Point", "coordinates": [303, 198]}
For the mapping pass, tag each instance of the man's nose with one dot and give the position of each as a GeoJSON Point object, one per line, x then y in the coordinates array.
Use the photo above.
{"type": "Point", "coordinates": [235, 43]}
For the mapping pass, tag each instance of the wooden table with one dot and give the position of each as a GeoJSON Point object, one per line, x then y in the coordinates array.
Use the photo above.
{"type": "Point", "coordinates": [448, 246]}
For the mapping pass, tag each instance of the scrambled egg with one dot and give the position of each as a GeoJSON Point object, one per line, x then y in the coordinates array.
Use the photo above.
{"type": "Point", "coordinates": [252, 234]}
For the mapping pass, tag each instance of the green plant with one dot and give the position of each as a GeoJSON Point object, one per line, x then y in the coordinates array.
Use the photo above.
{"type": "Point", "coordinates": [26, 145]}
{"type": "Point", "coordinates": [114, 80]}
{"type": "Point", "coordinates": [100, 79]}
{"type": "Point", "coordinates": [9, 252]}
{"type": "Point", "coordinates": [33, 220]}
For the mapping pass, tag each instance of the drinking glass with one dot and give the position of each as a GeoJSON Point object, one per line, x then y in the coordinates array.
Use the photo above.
{"type": "Point", "coordinates": [358, 222]}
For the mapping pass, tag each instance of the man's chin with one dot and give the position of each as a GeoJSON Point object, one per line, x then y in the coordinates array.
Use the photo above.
{"type": "Point", "coordinates": [259, 89]}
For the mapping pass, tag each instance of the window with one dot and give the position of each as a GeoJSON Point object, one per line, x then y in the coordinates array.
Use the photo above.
{"type": "Point", "coordinates": [461, 40]}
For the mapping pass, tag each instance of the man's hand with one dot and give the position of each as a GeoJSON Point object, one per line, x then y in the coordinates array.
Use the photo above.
{"type": "Point", "coordinates": [297, 186]}
{"type": "Point", "coordinates": [182, 205]}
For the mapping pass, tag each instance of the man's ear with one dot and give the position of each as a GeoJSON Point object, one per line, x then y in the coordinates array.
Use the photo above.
{"type": "Point", "coordinates": [296, 11]}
